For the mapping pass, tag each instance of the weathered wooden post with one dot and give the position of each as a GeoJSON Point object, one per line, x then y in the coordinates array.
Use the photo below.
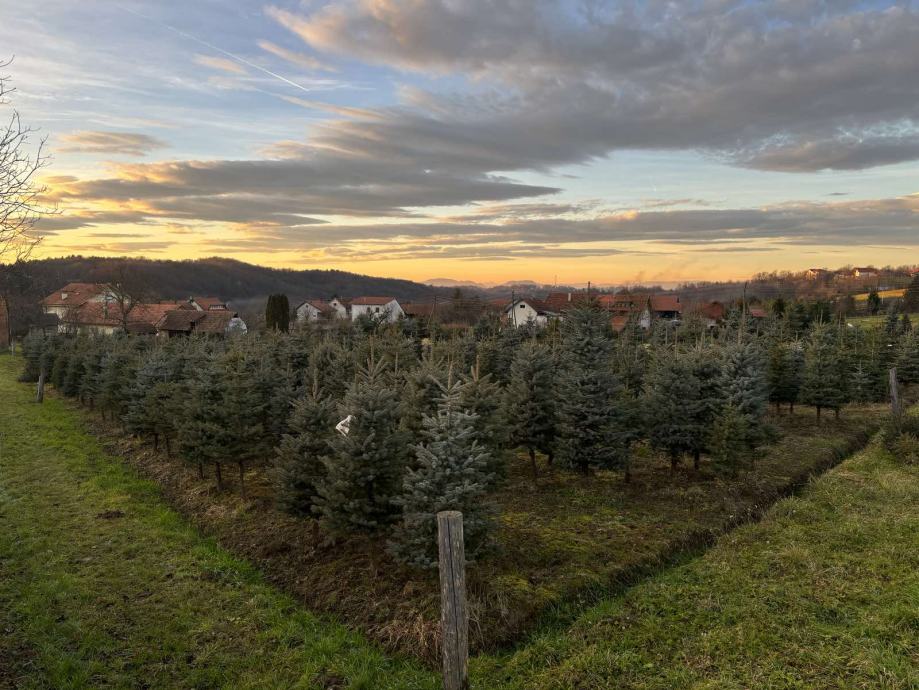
{"type": "Point", "coordinates": [454, 617]}
{"type": "Point", "coordinates": [40, 389]}
{"type": "Point", "coordinates": [894, 393]}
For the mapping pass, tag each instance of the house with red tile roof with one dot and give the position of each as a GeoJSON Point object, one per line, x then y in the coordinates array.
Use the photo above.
{"type": "Point", "coordinates": [74, 295]}
{"type": "Point", "coordinates": [387, 308]}
{"type": "Point", "coordinates": [314, 310]}
{"type": "Point", "coordinates": [185, 322]}
{"type": "Point", "coordinates": [528, 311]}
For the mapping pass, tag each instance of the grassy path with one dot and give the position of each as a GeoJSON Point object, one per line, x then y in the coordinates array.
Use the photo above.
{"type": "Point", "coordinates": [103, 585]}
{"type": "Point", "coordinates": [823, 593]}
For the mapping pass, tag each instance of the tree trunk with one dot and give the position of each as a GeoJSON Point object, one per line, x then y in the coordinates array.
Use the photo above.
{"type": "Point", "coordinates": [200, 470]}
{"type": "Point", "coordinates": [791, 407]}
{"type": "Point", "coordinates": [242, 479]}
{"type": "Point", "coordinates": [696, 456]}
{"type": "Point", "coordinates": [674, 461]}
{"type": "Point", "coordinates": [818, 413]}
{"type": "Point", "coordinates": [168, 448]}
{"type": "Point", "coordinates": [156, 442]}
{"type": "Point", "coordinates": [836, 413]}
{"type": "Point", "coordinates": [533, 465]}
{"type": "Point", "coordinates": [628, 469]}
{"type": "Point", "coordinates": [217, 469]}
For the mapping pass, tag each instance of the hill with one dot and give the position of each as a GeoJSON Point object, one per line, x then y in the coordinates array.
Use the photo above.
{"type": "Point", "coordinates": [245, 285]}
{"type": "Point", "coordinates": [227, 278]}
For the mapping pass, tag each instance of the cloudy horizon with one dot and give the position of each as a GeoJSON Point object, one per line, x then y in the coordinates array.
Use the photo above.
{"type": "Point", "coordinates": [478, 140]}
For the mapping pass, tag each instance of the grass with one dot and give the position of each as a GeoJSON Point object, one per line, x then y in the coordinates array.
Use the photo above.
{"type": "Point", "coordinates": [883, 294]}
{"type": "Point", "coordinates": [561, 545]}
{"type": "Point", "coordinates": [102, 584]}
{"type": "Point", "coordinates": [822, 593]}
{"type": "Point", "coordinates": [876, 320]}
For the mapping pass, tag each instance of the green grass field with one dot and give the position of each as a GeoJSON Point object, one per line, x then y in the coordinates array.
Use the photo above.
{"type": "Point", "coordinates": [822, 593]}
{"type": "Point", "coordinates": [102, 584]}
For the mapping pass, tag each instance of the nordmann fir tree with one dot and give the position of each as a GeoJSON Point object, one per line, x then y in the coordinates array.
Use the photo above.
{"type": "Point", "coordinates": [481, 396]}
{"type": "Point", "coordinates": [823, 384]}
{"type": "Point", "coordinates": [783, 373]}
{"type": "Point", "coordinates": [706, 363]}
{"type": "Point", "coordinates": [529, 401]}
{"type": "Point", "coordinates": [746, 394]}
{"type": "Point", "coordinates": [199, 432]}
{"type": "Point", "coordinates": [451, 473]}
{"type": "Point", "coordinates": [299, 464]}
{"type": "Point", "coordinates": [670, 404]}
{"type": "Point", "coordinates": [908, 358]}
{"type": "Point", "coordinates": [594, 423]}
{"type": "Point", "coordinates": [365, 467]}
{"type": "Point", "coordinates": [243, 438]}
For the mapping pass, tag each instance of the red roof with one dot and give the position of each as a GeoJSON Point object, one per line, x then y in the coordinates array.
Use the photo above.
{"type": "Point", "coordinates": [372, 300]}
{"type": "Point", "coordinates": [713, 310]}
{"type": "Point", "coordinates": [417, 309]}
{"type": "Point", "coordinates": [561, 301]}
{"type": "Point", "coordinates": [660, 303]}
{"type": "Point", "coordinates": [74, 294]}
{"type": "Point", "coordinates": [757, 312]}
{"type": "Point", "coordinates": [109, 314]}
{"type": "Point", "coordinates": [184, 321]}
{"type": "Point", "coordinates": [207, 303]}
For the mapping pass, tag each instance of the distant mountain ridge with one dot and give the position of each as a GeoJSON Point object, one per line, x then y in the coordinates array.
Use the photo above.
{"type": "Point", "coordinates": [226, 278]}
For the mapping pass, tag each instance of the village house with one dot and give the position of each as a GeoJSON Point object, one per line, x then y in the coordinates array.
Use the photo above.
{"type": "Point", "coordinates": [525, 311]}
{"type": "Point", "coordinates": [62, 302]}
{"type": "Point", "coordinates": [816, 273]}
{"type": "Point", "coordinates": [341, 306]}
{"type": "Point", "coordinates": [387, 308]}
{"type": "Point", "coordinates": [865, 272]}
{"type": "Point", "coordinates": [419, 310]}
{"type": "Point", "coordinates": [107, 318]}
{"type": "Point", "coordinates": [208, 303]}
{"type": "Point", "coordinates": [644, 309]}
{"type": "Point", "coordinates": [313, 310]}
{"type": "Point", "coordinates": [94, 308]}
{"type": "Point", "coordinates": [185, 322]}
{"type": "Point", "coordinates": [712, 313]}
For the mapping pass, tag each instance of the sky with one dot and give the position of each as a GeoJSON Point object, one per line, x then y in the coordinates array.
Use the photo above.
{"type": "Point", "coordinates": [483, 140]}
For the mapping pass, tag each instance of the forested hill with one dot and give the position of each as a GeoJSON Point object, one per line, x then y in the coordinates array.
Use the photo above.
{"type": "Point", "coordinates": [226, 278]}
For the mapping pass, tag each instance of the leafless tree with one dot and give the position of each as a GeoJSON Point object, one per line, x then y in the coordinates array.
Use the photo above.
{"type": "Point", "coordinates": [20, 190]}
{"type": "Point", "coordinates": [127, 290]}
{"type": "Point", "coordinates": [20, 196]}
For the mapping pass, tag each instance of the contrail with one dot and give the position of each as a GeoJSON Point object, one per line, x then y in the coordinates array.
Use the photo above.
{"type": "Point", "coordinates": [230, 55]}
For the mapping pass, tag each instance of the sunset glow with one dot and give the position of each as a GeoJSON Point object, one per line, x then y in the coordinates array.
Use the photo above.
{"type": "Point", "coordinates": [430, 139]}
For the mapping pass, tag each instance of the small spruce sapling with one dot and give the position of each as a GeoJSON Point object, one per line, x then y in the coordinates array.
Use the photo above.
{"type": "Point", "coordinates": [529, 401]}
{"type": "Point", "coordinates": [299, 463]}
{"type": "Point", "coordinates": [451, 473]}
{"type": "Point", "coordinates": [364, 468]}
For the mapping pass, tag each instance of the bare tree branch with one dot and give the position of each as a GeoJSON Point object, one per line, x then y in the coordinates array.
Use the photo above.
{"type": "Point", "coordinates": [20, 191]}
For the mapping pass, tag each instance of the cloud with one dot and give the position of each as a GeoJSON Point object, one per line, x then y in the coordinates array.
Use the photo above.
{"type": "Point", "coordinates": [889, 223]}
{"type": "Point", "coordinates": [221, 64]}
{"type": "Point", "coordinates": [557, 83]}
{"type": "Point", "coordinates": [299, 59]}
{"type": "Point", "coordinates": [286, 191]}
{"type": "Point", "coordinates": [120, 143]}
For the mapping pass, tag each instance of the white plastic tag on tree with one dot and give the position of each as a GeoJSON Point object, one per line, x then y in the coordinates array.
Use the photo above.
{"type": "Point", "coordinates": [344, 426]}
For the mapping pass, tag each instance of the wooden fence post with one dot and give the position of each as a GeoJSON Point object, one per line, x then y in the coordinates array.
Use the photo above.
{"type": "Point", "coordinates": [894, 393]}
{"type": "Point", "coordinates": [40, 389]}
{"type": "Point", "coordinates": [454, 617]}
